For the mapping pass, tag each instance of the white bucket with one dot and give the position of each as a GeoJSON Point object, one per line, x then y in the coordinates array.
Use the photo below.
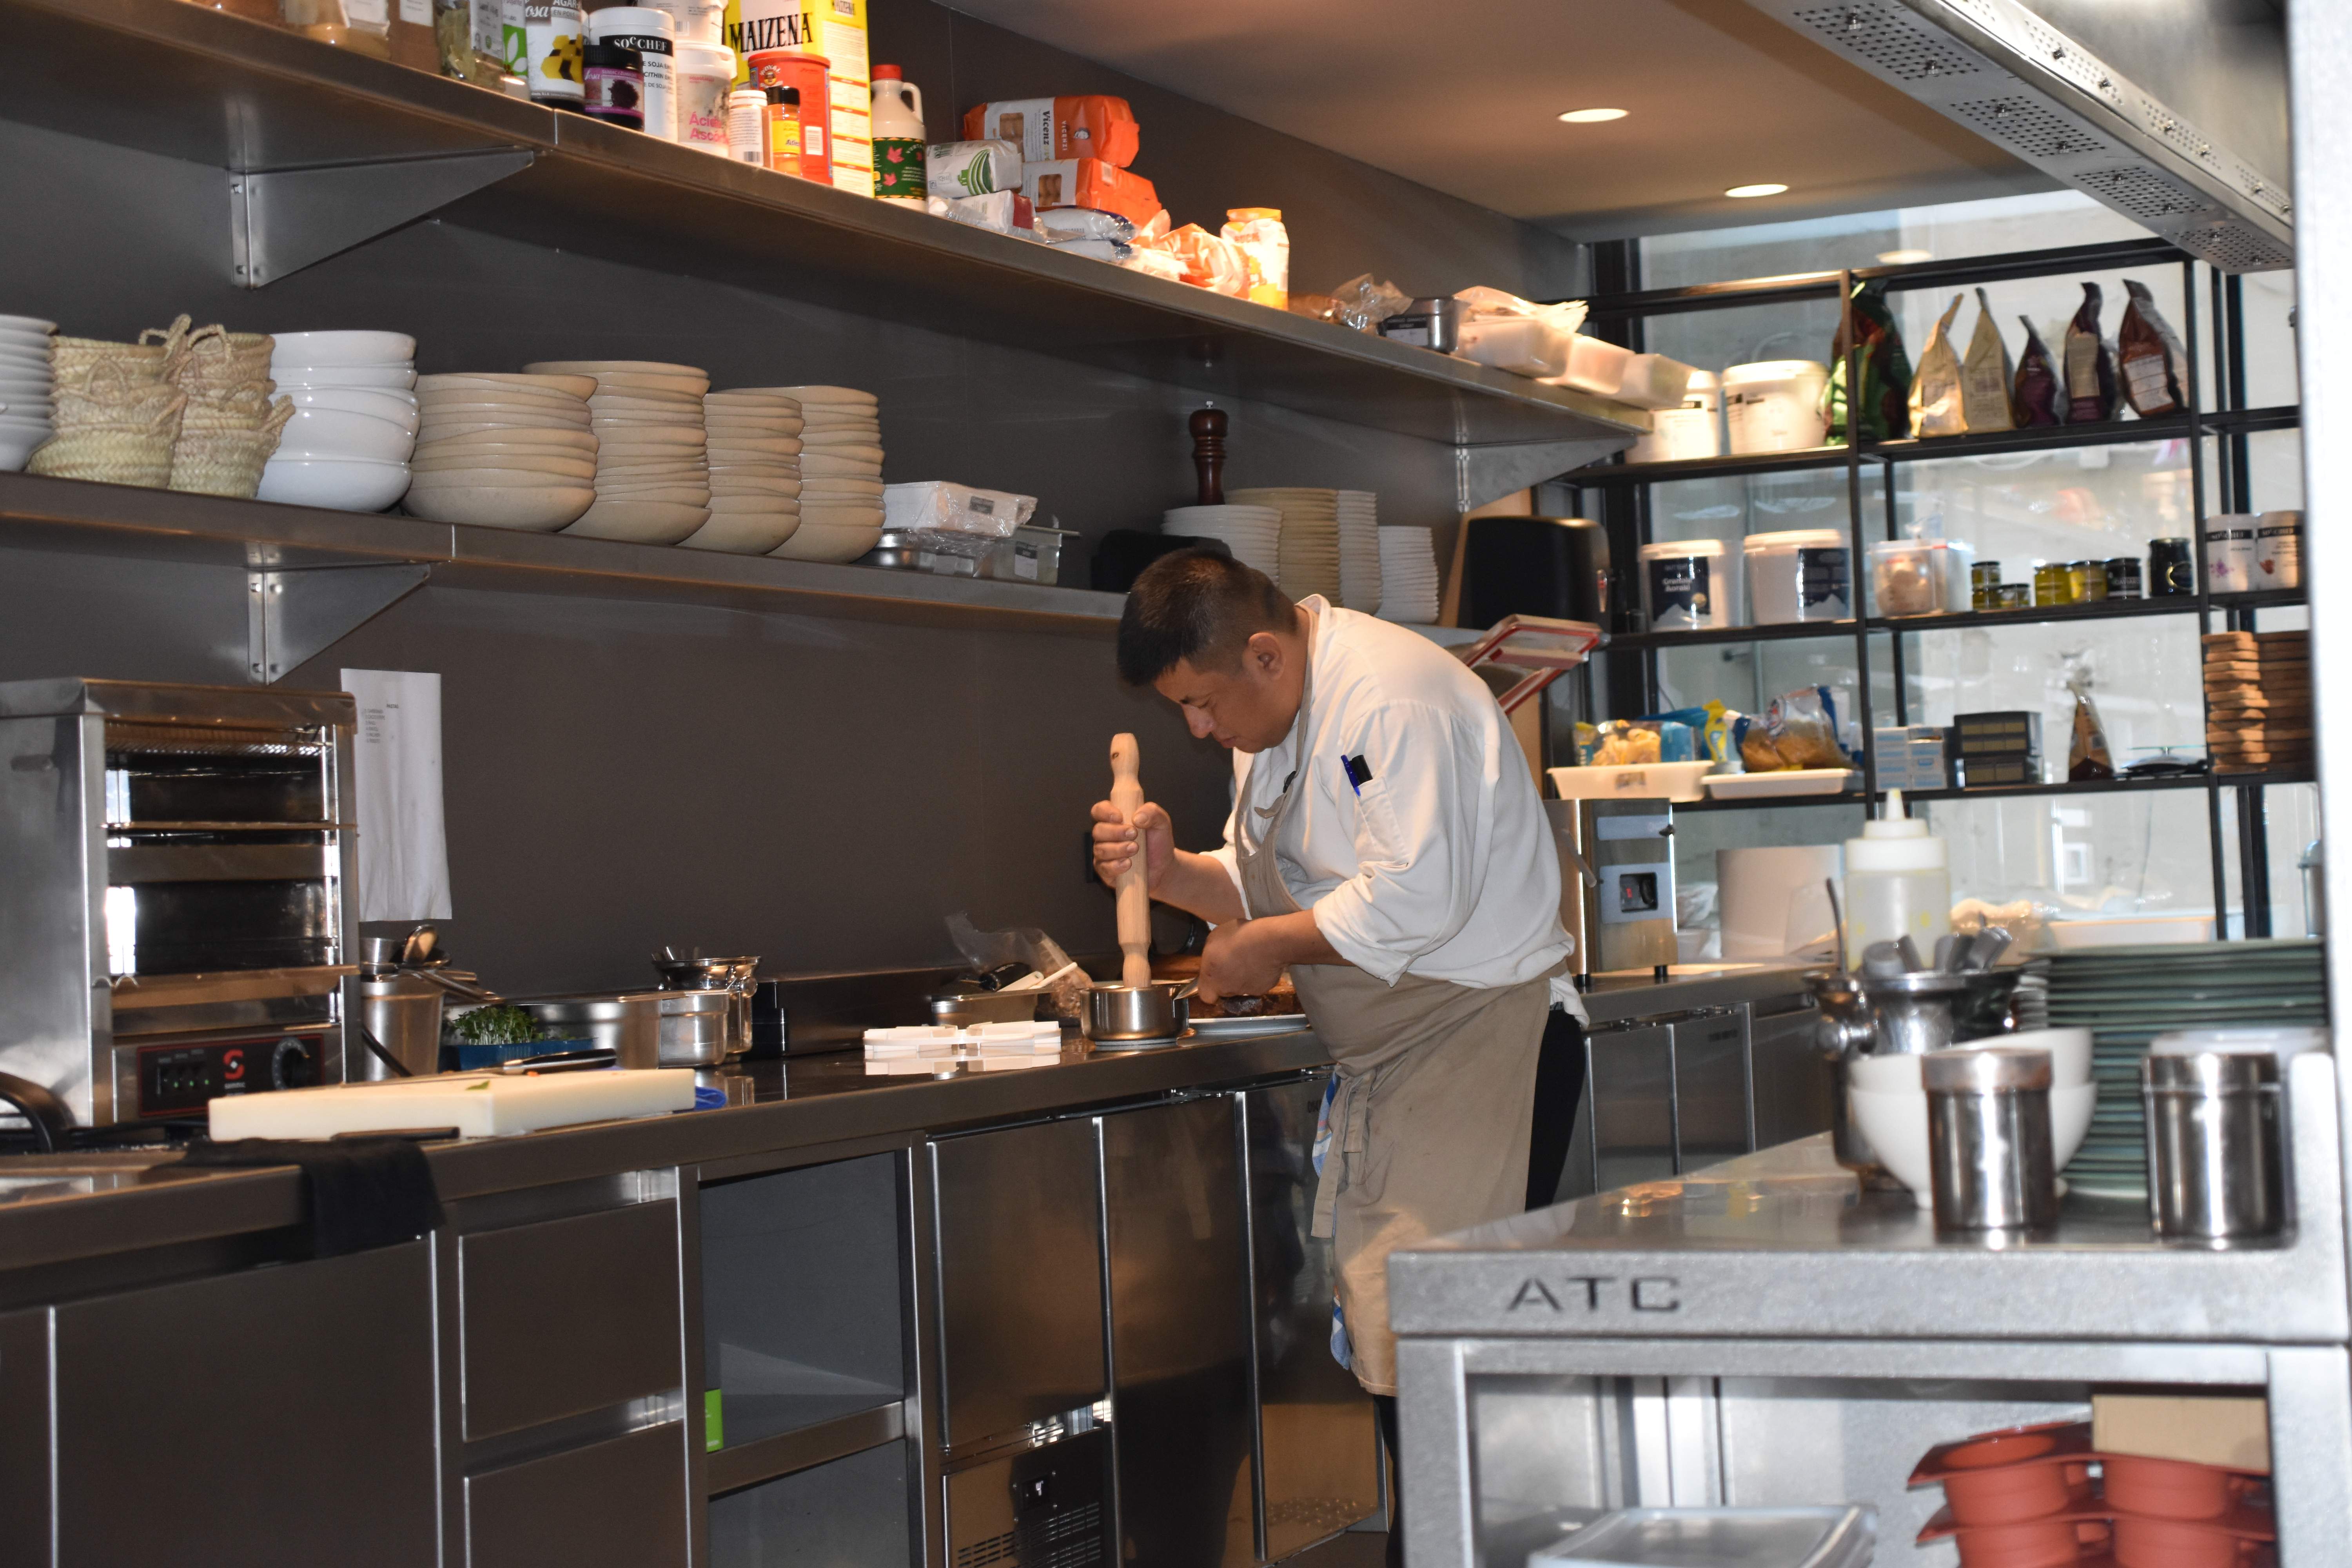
{"type": "Point", "coordinates": [1803, 574]}
{"type": "Point", "coordinates": [1689, 584]}
{"type": "Point", "coordinates": [1775, 406]}
{"type": "Point", "coordinates": [1693, 430]}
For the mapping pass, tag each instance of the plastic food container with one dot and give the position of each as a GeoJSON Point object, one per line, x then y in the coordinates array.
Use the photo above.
{"type": "Point", "coordinates": [1803, 574]}
{"type": "Point", "coordinates": [1524, 345]}
{"type": "Point", "coordinates": [1775, 406]}
{"type": "Point", "coordinates": [1906, 578]}
{"type": "Point", "coordinates": [1594, 367]}
{"type": "Point", "coordinates": [1689, 584]}
{"type": "Point", "coordinates": [1651, 381]}
{"type": "Point", "coordinates": [1641, 781]}
{"type": "Point", "coordinates": [1833, 1537]}
{"type": "Point", "coordinates": [1692, 428]}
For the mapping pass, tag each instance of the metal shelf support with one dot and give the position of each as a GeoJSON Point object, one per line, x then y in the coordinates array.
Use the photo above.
{"type": "Point", "coordinates": [281, 221]}
{"type": "Point", "coordinates": [292, 617]}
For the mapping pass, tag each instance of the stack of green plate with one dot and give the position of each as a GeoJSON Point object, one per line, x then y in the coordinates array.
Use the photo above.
{"type": "Point", "coordinates": [2127, 995]}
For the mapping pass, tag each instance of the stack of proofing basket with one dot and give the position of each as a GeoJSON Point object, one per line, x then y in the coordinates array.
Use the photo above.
{"type": "Point", "coordinates": [186, 410]}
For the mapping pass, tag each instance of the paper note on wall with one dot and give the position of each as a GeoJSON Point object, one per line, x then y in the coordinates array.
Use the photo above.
{"type": "Point", "coordinates": [404, 850]}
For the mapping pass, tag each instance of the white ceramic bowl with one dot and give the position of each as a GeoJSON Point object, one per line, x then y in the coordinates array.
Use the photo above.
{"type": "Point", "coordinates": [345, 484]}
{"type": "Point", "coordinates": [16, 446]}
{"type": "Point", "coordinates": [579, 441]}
{"type": "Point", "coordinates": [291, 375]}
{"type": "Point", "coordinates": [376, 402]}
{"type": "Point", "coordinates": [2070, 1061]}
{"type": "Point", "coordinates": [342, 348]}
{"type": "Point", "coordinates": [530, 511]}
{"type": "Point", "coordinates": [742, 534]}
{"type": "Point", "coordinates": [560, 474]}
{"type": "Point", "coordinates": [1896, 1127]}
{"type": "Point", "coordinates": [640, 522]}
{"type": "Point", "coordinates": [333, 433]}
{"type": "Point", "coordinates": [27, 324]}
{"type": "Point", "coordinates": [817, 540]}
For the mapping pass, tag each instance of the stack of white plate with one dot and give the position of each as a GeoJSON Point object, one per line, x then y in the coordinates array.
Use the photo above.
{"type": "Point", "coordinates": [24, 388]}
{"type": "Point", "coordinates": [506, 451]}
{"type": "Point", "coordinates": [1310, 538]}
{"type": "Point", "coordinates": [1408, 575]}
{"type": "Point", "coordinates": [355, 419]}
{"type": "Point", "coordinates": [1253, 534]}
{"type": "Point", "coordinates": [653, 482]}
{"type": "Point", "coordinates": [1359, 550]}
{"type": "Point", "coordinates": [755, 471]}
{"type": "Point", "coordinates": [841, 473]}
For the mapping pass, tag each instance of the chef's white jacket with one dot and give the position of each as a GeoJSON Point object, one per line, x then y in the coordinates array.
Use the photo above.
{"type": "Point", "coordinates": [1419, 845]}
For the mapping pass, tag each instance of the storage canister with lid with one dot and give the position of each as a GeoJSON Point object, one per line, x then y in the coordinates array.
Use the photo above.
{"type": "Point", "coordinates": [551, 49]}
{"type": "Point", "coordinates": [2216, 1143]}
{"type": "Point", "coordinates": [1692, 429]}
{"type": "Point", "coordinates": [615, 80]}
{"type": "Point", "coordinates": [2122, 577]}
{"type": "Point", "coordinates": [1775, 406]}
{"type": "Point", "coordinates": [652, 33]}
{"type": "Point", "coordinates": [705, 76]}
{"type": "Point", "coordinates": [1906, 578]}
{"type": "Point", "coordinates": [2171, 568]}
{"type": "Point", "coordinates": [2229, 552]}
{"type": "Point", "coordinates": [1801, 575]}
{"type": "Point", "coordinates": [1992, 1164]}
{"type": "Point", "coordinates": [2278, 550]}
{"type": "Point", "coordinates": [1689, 584]}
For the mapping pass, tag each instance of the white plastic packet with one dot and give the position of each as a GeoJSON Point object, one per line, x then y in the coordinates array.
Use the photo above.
{"type": "Point", "coordinates": [973, 168]}
{"type": "Point", "coordinates": [1517, 335]}
{"type": "Point", "coordinates": [955, 508]}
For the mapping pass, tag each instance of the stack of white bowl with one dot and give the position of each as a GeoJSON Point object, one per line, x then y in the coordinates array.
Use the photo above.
{"type": "Point", "coordinates": [755, 471]}
{"type": "Point", "coordinates": [26, 409]}
{"type": "Point", "coordinates": [1251, 534]}
{"type": "Point", "coordinates": [354, 424]}
{"type": "Point", "coordinates": [653, 476]}
{"type": "Point", "coordinates": [841, 474]}
{"type": "Point", "coordinates": [1408, 575]}
{"type": "Point", "coordinates": [1887, 1099]}
{"type": "Point", "coordinates": [505, 451]}
{"type": "Point", "coordinates": [1359, 550]}
{"type": "Point", "coordinates": [1310, 538]}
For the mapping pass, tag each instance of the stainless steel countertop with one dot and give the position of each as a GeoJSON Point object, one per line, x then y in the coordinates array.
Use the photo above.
{"type": "Point", "coordinates": [1633, 993]}
{"type": "Point", "coordinates": [1784, 1243]}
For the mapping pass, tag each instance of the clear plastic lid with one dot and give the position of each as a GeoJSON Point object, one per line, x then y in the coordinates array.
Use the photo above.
{"type": "Point", "coordinates": [1794, 539]}
{"type": "Point", "coordinates": [1675, 549]}
{"type": "Point", "coordinates": [1831, 1537]}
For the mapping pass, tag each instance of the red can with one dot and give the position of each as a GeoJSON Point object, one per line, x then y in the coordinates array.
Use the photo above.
{"type": "Point", "coordinates": [789, 68]}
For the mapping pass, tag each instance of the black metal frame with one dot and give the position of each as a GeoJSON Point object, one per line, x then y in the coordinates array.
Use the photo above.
{"type": "Point", "coordinates": [1617, 312]}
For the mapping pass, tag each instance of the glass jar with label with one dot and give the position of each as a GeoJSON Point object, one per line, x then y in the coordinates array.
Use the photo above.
{"type": "Point", "coordinates": [2122, 577]}
{"type": "Point", "coordinates": [614, 85]}
{"type": "Point", "coordinates": [1984, 585]}
{"type": "Point", "coordinates": [2088, 579]}
{"type": "Point", "coordinates": [551, 49]}
{"type": "Point", "coordinates": [2053, 584]}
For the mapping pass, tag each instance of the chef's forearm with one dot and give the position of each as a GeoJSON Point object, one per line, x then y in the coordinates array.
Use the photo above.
{"type": "Point", "coordinates": [1294, 938]}
{"type": "Point", "coordinates": [1200, 885]}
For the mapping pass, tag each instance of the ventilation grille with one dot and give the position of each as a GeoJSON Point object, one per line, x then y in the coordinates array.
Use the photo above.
{"type": "Point", "coordinates": [980, 1553]}
{"type": "Point", "coordinates": [2061, 56]}
{"type": "Point", "coordinates": [1891, 39]}
{"type": "Point", "coordinates": [2035, 130]}
{"type": "Point", "coordinates": [2140, 191]}
{"type": "Point", "coordinates": [2185, 137]}
{"type": "Point", "coordinates": [2233, 248]}
{"type": "Point", "coordinates": [1066, 1538]}
{"type": "Point", "coordinates": [2259, 189]}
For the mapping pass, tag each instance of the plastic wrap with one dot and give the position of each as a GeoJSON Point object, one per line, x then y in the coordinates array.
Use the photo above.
{"type": "Point", "coordinates": [1364, 303]}
{"type": "Point", "coordinates": [1159, 263]}
{"type": "Point", "coordinates": [987, 950]}
{"type": "Point", "coordinates": [1108, 250]}
{"type": "Point", "coordinates": [1265, 245]}
{"type": "Point", "coordinates": [1210, 263]}
{"type": "Point", "coordinates": [1798, 730]}
{"type": "Point", "coordinates": [994, 210]}
{"type": "Point", "coordinates": [1063, 223]}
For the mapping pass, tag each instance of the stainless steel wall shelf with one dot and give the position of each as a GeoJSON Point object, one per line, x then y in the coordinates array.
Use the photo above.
{"type": "Point", "coordinates": [188, 82]}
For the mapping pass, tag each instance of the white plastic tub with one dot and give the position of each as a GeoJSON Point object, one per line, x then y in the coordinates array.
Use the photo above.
{"type": "Point", "coordinates": [1593, 366]}
{"type": "Point", "coordinates": [1689, 584]}
{"type": "Point", "coordinates": [1524, 345]}
{"type": "Point", "coordinates": [1642, 781]}
{"type": "Point", "coordinates": [1651, 381]}
{"type": "Point", "coordinates": [1692, 428]}
{"type": "Point", "coordinates": [1803, 574]}
{"type": "Point", "coordinates": [1775, 406]}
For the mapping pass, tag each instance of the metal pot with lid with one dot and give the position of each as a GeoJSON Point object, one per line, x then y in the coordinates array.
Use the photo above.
{"type": "Point", "coordinates": [687, 970]}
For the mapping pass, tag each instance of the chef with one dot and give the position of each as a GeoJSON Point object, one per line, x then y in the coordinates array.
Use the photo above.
{"type": "Point", "coordinates": [1386, 846]}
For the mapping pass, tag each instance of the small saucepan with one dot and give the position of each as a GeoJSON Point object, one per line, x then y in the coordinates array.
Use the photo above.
{"type": "Point", "coordinates": [1138, 1014]}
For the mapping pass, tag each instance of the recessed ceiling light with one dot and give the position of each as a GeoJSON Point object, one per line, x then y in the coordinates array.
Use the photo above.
{"type": "Point", "coordinates": [1767, 189]}
{"type": "Point", "coordinates": [1591, 116]}
{"type": "Point", "coordinates": [1905, 258]}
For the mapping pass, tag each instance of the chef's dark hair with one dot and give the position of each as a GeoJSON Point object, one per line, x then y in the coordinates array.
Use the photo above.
{"type": "Point", "coordinates": [1195, 607]}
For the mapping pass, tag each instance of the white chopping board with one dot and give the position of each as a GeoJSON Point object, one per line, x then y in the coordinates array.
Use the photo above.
{"type": "Point", "coordinates": [478, 1105]}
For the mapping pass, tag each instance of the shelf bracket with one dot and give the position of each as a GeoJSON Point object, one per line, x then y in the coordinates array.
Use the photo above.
{"type": "Point", "coordinates": [1484, 474]}
{"type": "Point", "coordinates": [293, 615]}
{"type": "Point", "coordinates": [282, 220]}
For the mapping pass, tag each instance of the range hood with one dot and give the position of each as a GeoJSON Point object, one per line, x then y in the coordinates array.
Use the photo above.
{"type": "Point", "coordinates": [2013, 77]}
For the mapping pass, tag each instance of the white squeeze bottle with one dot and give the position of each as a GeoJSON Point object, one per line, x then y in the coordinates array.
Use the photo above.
{"type": "Point", "coordinates": [898, 144]}
{"type": "Point", "coordinates": [1898, 883]}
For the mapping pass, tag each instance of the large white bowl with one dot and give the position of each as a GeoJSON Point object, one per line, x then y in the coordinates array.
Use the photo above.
{"type": "Point", "coordinates": [333, 433]}
{"type": "Point", "coordinates": [16, 446]}
{"type": "Point", "coordinates": [376, 402]}
{"type": "Point", "coordinates": [345, 484]}
{"type": "Point", "coordinates": [2070, 1061]}
{"type": "Point", "coordinates": [743, 535]}
{"type": "Point", "coordinates": [530, 511]}
{"type": "Point", "coordinates": [342, 348]}
{"type": "Point", "coordinates": [1896, 1127]}
{"type": "Point", "coordinates": [289, 375]}
{"type": "Point", "coordinates": [27, 324]}
{"type": "Point", "coordinates": [818, 540]}
{"type": "Point", "coordinates": [528, 473]}
{"type": "Point", "coordinates": [579, 441]}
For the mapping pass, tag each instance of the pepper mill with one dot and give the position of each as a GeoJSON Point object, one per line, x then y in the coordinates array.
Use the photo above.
{"type": "Point", "coordinates": [1208, 426]}
{"type": "Point", "coordinates": [1134, 894]}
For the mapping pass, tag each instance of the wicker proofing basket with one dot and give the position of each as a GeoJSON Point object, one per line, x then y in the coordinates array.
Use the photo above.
{"type": "Point", "coordinates": [244, 408]}
{"type": "Point", "coordinates": [114, 454]}
{"type": "Point", "coordinates": [226, 462]}
{"type": "Point", "coordinates": [75, 360]}
{"type": "Point", "coordinates": [218, 358]}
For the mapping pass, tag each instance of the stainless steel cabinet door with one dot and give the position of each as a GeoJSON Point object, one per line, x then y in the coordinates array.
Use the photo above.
{"type": "Point", "coordinates": [1180, 1325]}
{"type": "Point", "coordinates": [1710, 1089]}
{"type": "Point", "coordinates": [276, 1416]}
{"type": "Point", "coordinates": [1021, 1303]}
{"type": "Point", "coordinates": [619, 1504]}
{"type": "Point", "coordinates": [1632, 1095]}
{"type": "Point", "coordinates": [1314, 1420]}
{"type": "Point", "coordinates": [1794, 1085]}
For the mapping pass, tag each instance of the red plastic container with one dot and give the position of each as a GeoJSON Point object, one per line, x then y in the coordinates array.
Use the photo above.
{"type": "Point", "coordinates": [2168, 1488]}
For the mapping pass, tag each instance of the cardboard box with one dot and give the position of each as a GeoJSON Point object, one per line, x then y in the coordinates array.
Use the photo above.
{"type": "Point", "coordinates": [835, 29]}
{"type": "Point", "coordinates": [2229, 1430]}
{"type": "Point", "coordinates": [1912, 758]}
{"type": "Point", "coordinates": [1993, 772]}
{"type": "Point", "coordinates": [1996, 734]}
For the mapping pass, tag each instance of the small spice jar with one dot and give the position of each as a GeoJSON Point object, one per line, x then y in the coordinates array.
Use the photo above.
{"type": "Point", "coordinates": [747, 125]}
{"type": "Point", "coordinates": [2122, 577]}
{"type": "Point", "coordinates": [2054, 584]}
{"type": "Point", "coordinates": [2088, 579]}
{"type": "Point", "coordinates": [1984, 584]}
{"type": "Point", "coordinates": [615, 84]}
{"type": "Point", "coordinates": [782, 131]}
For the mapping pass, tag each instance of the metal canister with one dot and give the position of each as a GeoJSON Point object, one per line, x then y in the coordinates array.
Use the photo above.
{"type": "Point", "coordinates": [2122, 577]}
{"type": "Point", "coordinates": [1991, 1165]}
{"type": "Point", "coordinates": [2052, 584]}
{"type": "Point", "coordinates": [401, 1011]}
{"type": "Point", "coordinates": [2171, 568]}
{"type": "Point", "coordinates": [1984, 585]}
{"type": "Point", "coordinates": [2216, 1153]}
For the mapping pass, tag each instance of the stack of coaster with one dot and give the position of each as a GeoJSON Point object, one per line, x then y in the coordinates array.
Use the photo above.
{"type": "Point", "coordinates": [2258, 701]}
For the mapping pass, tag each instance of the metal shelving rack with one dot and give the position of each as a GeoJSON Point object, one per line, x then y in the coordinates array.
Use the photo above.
{"type": "Point", "coordinates": [2232, 423]}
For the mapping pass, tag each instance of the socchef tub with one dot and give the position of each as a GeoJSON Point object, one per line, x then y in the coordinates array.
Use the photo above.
{"type": "Point", "coordinates": [1689, 584]}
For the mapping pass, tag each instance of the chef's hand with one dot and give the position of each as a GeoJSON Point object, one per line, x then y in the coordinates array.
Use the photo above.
{"type": "Point", "coordinates": [1115, 841]}
{"type": "Point", "coordinates": [1238, 961]}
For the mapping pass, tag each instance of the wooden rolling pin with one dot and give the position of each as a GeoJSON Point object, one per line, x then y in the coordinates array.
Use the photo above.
{"type": "Point", "coordinates": [1134, 897]}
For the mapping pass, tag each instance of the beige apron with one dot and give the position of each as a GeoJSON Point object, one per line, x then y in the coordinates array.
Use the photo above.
{"type": "Point", "coordinates": [1436, 1090]}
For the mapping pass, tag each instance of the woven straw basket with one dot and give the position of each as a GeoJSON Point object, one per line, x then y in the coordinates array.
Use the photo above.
{"type": "Point", "coordinates": [226, 461]}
